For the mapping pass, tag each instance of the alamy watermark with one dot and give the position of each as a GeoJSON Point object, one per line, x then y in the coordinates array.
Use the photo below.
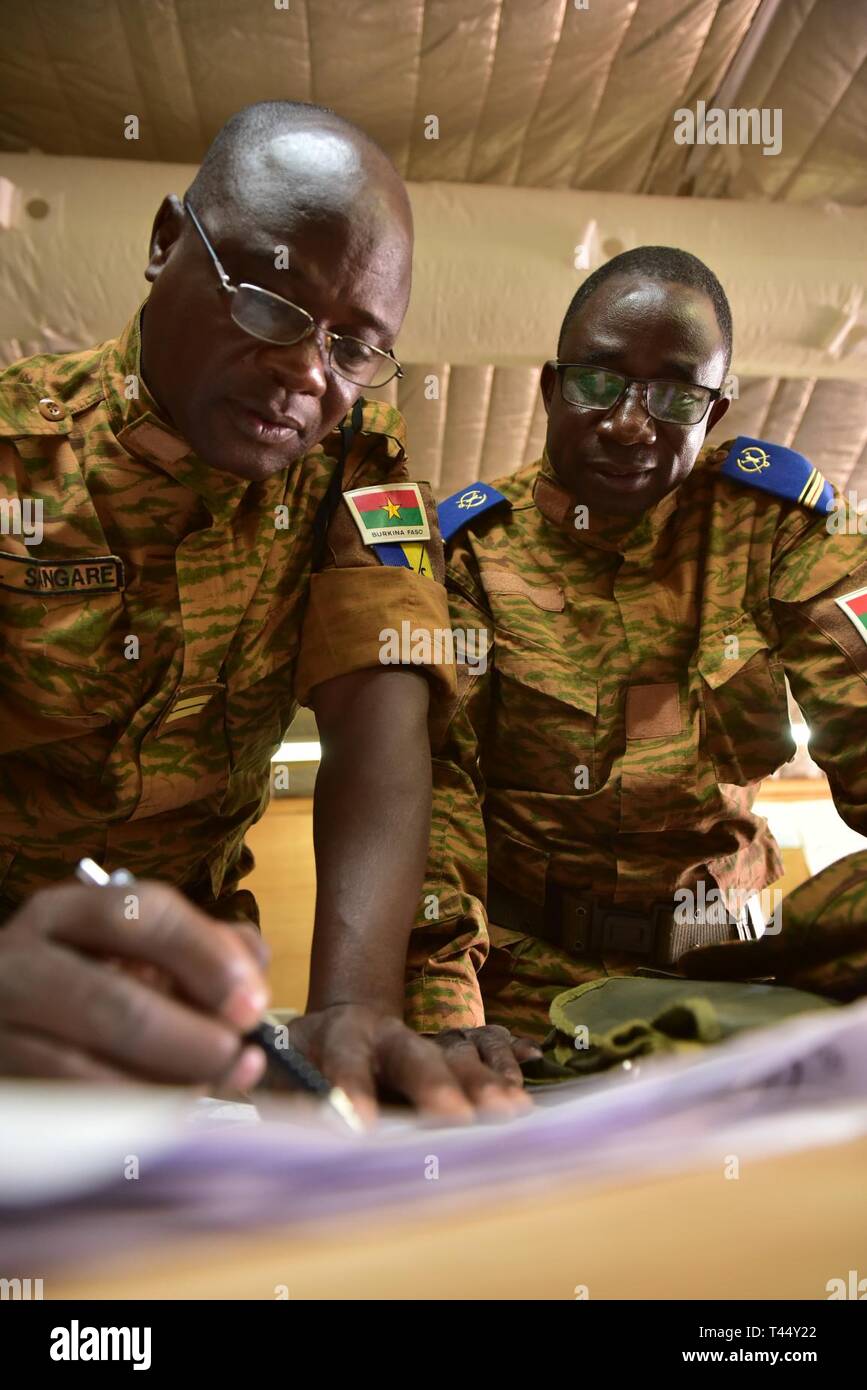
{"type": "Point", "coordinates": [718, 906]}
{"type": "Point", "coordinates": [22, 517]}
{"type": "Point", "coordinates": [77, 1343]}
{"type": "Point", "coordinates": [439, 646]}
{"type": "Point", "coordinates": [21, 1289]}
{"type": "Point", "coordinates": [734, 126]}
{"type": "Point", "coordinates": [848, 516]}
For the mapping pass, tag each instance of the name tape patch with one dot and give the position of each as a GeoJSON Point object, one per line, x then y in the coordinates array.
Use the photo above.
{"type": "Point", "coordinates": [99, 574]}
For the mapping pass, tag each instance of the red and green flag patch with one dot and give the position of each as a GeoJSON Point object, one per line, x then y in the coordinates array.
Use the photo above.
{"type": "Point", "coordinates": [854, 605]}
{"type": "Point", "coordinates": [388, 513]}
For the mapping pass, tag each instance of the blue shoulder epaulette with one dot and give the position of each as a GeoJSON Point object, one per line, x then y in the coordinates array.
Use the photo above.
{"type": "Point", "coordinates": [783, 472]}
{"type": "Point", "coordinates": [465, 506]}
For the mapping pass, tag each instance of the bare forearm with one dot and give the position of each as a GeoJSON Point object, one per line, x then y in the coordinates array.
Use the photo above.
{"type": "Point", "coordinates": [371, 829]}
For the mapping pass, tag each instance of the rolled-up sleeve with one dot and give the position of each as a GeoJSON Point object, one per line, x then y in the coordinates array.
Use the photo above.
{"type": "Point", "coordinates": [824, 652]}
{"type": "Point", "coordinates": [362, 617]}
{"type": "Point", "coordinates": [363, 613]}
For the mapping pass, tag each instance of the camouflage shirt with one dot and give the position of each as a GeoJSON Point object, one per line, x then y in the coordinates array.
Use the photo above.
{"type": "Point", "coordinates": [152, 637]}
{"type": "Point", "coordinates": [633, 699]}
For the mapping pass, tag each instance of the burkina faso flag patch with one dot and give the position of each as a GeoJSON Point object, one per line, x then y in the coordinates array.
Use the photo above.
{"type": "Point", "coordinates": [388, 513]}
{"type": "Point", "coordinates": [854, 605]}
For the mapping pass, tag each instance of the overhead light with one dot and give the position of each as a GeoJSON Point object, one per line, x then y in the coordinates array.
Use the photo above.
{"type": "Point", "coordinates": [298, 752]}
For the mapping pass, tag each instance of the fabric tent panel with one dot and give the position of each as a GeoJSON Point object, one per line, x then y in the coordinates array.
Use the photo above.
{"type": "Point", "coordinates": [634, 113]}
{"type": "Point", "coordinates": [728, 31]}
{"type": "Point", "coordinates": [527, 39]}
{"type": "Point", "coordinates": [467, 404]}
{"type": "Point", "coordinates": [808, 61]}
{"type": "Point", "coordinates": [538, 93]}
{"type": "Point", "coordinates": [457, 54]}
{"type": "Point", "coordinates": [510, 412]}
{"type": "Point", "coordinates": [422, 400]}
{"type": "Point", "coordinates": [747, 413]}
{"type": "Point", "coordinates": [786, 409]}
{"type": "Point", "coordinates": [573, 90]}
{"type": "Point", "coordinates": [494, 269]}
{"type": "Point", "coordinates": [858, 476]}
{"type": "Point", "coordinates": [843, 178]}
{"type": "Point", "coordinates": [157, 53]}
{"type": "Point", "coordinates": [32, 96]}
{"type": "Point", "coordinates": [81, 76]}
{"type": "Point", "coordinates": [367, 69]}
{"type": "Point", "coordinates": [834, 428]}
{"type": "Point", "coordinates": [236, 54]}
{"type": "Point", "coordinates": [538, 427]}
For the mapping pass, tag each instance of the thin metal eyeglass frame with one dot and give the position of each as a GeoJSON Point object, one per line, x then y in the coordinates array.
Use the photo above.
{"type": "Point", "coordinates": [312, 326]}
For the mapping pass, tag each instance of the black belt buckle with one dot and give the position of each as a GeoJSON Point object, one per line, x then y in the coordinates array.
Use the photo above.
{"type": "Point", "coordinates": [586, 926]}
{"type": "Point", "coordinates": [573, 921]}
{"type": "Point", "coordinates": [624, 929]}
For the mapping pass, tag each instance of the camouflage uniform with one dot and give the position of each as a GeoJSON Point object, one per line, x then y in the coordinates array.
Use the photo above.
{"type": "Point", "coordinates": [153, 653]}
{"type": "Point", "coordinates": [615, 743]}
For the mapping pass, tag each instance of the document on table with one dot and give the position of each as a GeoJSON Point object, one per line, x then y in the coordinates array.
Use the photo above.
{"type": "Point", "coordinates": [139, 1160]}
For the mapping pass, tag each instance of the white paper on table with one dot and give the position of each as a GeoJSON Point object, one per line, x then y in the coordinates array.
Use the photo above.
{"type": "Point", "coordinates": [800, 1083]}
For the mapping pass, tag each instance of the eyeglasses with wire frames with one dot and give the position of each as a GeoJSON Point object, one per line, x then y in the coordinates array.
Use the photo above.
{"type": "Point", "coordinates": [274, 319]}
{"type": "Point", "coordinates": [670, 402]}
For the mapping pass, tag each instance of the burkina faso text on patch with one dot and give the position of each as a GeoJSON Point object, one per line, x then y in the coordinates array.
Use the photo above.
{"type": "Point", "coordinates": [388, 513]}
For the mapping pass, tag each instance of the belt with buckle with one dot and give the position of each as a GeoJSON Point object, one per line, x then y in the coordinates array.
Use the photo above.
{"type": "Point", "coordinates": [582, 924]}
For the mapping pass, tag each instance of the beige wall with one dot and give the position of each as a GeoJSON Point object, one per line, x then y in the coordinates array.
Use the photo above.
{"type": "Point", "coordinates": [284, 882]}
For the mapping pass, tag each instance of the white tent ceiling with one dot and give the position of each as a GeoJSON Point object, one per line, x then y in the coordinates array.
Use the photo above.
{"type": "Point", "coordinates": [536, 95]}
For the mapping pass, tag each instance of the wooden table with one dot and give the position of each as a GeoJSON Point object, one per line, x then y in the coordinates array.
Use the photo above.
{"type": "Point", "coordinates": [781, 1230]}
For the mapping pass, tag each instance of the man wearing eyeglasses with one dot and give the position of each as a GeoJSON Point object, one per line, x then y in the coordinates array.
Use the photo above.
{"type": "Point", "coordinates": [159, 635]}
{"type": "Point", "coordinates": [642, 599]}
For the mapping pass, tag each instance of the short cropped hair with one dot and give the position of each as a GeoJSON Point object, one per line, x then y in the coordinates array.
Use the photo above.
{"type": "Point", "coordinates": [666, 263]}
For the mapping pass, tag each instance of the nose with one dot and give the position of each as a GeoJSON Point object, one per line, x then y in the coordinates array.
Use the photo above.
{"type": "Point", "coordinates": [301, 367]}
{"type": "Point", "coordinates": [629, 423]}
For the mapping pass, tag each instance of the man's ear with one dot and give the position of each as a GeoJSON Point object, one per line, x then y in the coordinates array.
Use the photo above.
{"type": "Point", "coordinates": [547, 383]}
{"type": "Point", "coordinates": [167, 228]}
{"type": "Point", "coordinates": [717, 411]}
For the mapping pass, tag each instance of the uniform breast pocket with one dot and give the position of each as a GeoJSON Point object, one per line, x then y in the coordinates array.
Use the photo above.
{"type": "Point", "coordinates": [544, 721]}
{"type": "Point", "coordinates": [64, 671]}
{"type": "Point", "coordinates": [745, 712]}
{"type": "Point", "coordinates": [256, 719]}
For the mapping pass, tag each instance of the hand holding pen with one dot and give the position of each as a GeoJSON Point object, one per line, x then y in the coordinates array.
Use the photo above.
{"type": "Point", "coordinates": [64, 1014]}
{"type": "Point", "coordinates": [269, 1034]}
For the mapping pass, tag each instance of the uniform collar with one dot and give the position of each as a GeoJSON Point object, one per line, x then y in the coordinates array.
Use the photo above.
{"type": "Point", "coordinates": [142, 430]}
{"type": "Point", "coordinates": [623, 535]}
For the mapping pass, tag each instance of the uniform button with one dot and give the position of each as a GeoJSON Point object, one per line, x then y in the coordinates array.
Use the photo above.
{"type": "Point", "coordinates": [50, 409]}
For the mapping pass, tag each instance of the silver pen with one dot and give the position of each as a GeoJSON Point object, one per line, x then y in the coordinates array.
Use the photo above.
{"type": "Point", "coordinates": [294, 1064]}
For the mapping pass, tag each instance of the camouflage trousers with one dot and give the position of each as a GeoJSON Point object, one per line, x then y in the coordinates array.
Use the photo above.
{"type": "Point", "coordinates": [523, 974]}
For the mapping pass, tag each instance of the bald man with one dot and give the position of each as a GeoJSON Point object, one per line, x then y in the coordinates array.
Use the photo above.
{"type": "Point", "coordinates": [193, 475]}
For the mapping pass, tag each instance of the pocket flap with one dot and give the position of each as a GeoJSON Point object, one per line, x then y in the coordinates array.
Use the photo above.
{"type": "Point", "coordinates": [722, 654]}
{"type": "Point", "coordinates": [519, 867]}
{"type": "Point", "coordinates": [546, 671]}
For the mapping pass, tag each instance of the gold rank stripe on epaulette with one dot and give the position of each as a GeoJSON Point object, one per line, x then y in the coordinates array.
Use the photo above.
{"type": "Point", "coordinates": [773, 468]}
{"type": "Point", "coordinates": [812, 489]}
{"type": "Point", "coordinates": [97, 574]}
{"type": "Point", "coordinates": [186, 703]}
